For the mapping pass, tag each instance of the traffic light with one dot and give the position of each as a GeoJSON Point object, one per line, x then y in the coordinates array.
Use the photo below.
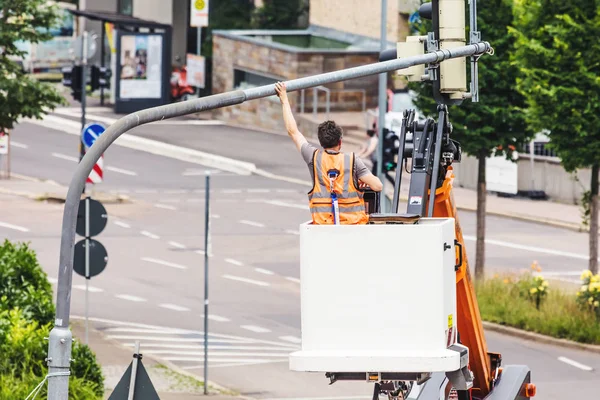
{"type": "Point", "coordinates": [72, 78]}
{"type": "Point", "coordinates": [449, 31]}
{"type": "Point", "coordinates": [100, 77]}
{"type": "Point", "coordinates": [391, 144]}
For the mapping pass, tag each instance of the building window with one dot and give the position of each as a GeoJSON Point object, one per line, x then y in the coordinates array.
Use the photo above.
{"type": "Point", "coordinates": [126, 7]}
{"type": "Point", "coordinates": [243, 79]}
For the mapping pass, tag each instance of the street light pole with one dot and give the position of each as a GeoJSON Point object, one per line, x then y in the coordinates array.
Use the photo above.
{"type": "Point", "coordinates": [382, 105]}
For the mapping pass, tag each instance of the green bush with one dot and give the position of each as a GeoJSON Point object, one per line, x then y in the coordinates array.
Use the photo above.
{"type": "Point", "coordinates": [502, 300]}
{"type": "Point", "coordinates": [26, 316]}
{"type": "Point", "coordinates": [24, 284]}
{"type": "Point", "coordinates": [13, 387]}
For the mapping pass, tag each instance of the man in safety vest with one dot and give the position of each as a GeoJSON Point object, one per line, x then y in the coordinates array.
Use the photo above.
{"type": "Point", "coordinates": [338, 178]}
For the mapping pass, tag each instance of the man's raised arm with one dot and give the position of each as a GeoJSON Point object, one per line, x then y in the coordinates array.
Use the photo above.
{"type": "Point", "coordinates": [288, 117]}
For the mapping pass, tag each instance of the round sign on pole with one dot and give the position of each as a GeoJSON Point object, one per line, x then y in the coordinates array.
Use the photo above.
{"type": "Point", "coordinates": [91, 132]}
{"type": "Point", "coordinates": [92, 46]}
{"type": "Point", "coordinates": [98, 258]}
{"type": "Point", "coordinates": [98, 218]}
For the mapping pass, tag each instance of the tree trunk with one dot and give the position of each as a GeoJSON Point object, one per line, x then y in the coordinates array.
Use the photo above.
{"type": "Point", "coordinates": [481, 194]}
{"type": "Point", "coordinates": [594, 221]}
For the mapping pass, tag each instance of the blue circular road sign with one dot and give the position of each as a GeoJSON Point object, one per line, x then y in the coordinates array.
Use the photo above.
{"type": "Point", "coordinates": [91, 133]}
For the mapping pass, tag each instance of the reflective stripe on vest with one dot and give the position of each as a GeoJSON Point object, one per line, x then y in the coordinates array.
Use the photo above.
{"type": "Point", "coordinates": [350, 198]}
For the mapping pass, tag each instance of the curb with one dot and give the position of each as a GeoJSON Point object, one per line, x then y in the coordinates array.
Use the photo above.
{"type": "Point", "coordinates": [60, 198]}
{"type": "Point", "coordinates": [155, 147]}
{"type": "Point", "coordinates": [537, 337]}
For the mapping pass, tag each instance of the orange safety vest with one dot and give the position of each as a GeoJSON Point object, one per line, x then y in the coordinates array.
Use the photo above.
{"type": "Point", "coordinates": [350, 198]}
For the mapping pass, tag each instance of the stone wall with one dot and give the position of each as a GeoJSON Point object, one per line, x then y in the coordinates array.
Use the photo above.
{"type": "Point", "coordinates": [230, 54]}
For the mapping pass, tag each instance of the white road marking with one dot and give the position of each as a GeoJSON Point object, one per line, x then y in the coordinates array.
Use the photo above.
{"type": "Point", "coordinates": [176, 191]}
{"type": "Point", "coordinates": [155, 338]}
{"type": "Point", "coordinates": [130, 298]}
{"type": "Point", "coordinates": [121, 171]}
{"type": "Point", "coordinates": [217, 318]}
{"type": "Point", "coordinates": [240, 279]}
{"type": "Point", "coordinates": [215, 216]}
{"type": "Point", "coordinates": [285, 190]}
{"type": "Point", "coordinates": [210, 347]}
{"type": "Point", "coordinates": [165, 206]}
{"type": "Point", "coordinates": [19, 145]}
{"type": "Point", "coordinates": [167, 331]}
{"type": "Point", "coordinates": [234, 262]}
{"type": "Point", "coordinates": [264, 271]}
{"type": "Point", "coordinates": [258, 190]}
{"type": "Point", "coordinates": [178, 245]}
{"type": "Point", "coordinates": [65, 157]}
{"type": "Point", "coordinates": [195, 200]}
{"type": "Point", "coordinates": [14, 227]}
{"type": "Point", "coordinates": [237, 364]}
{"type": "Point", "coordinates": [231, 191]}
{"type": "Point", "coordinates": [292, 339]}
{"type": "Point", "coordinates": [146, 191]}
{"type": "Point", "coordinates": [228, 360]}
{"type": "Point", "coordinates": [251, 223]}
{"type": "Point", "coordinates": [150, 235]}
{"type": "Point", "coordinates": [254, 328]}
{"type": "Point", "coordinates": [91, 289]}
{"type": "Point", "coordinates": [122, 224]}
{"type": "Point", "coordinates": [174, 307]}
{"type": "Point", "coordinates": [289, 205]}
{"type": "Point", "coordinates": [575, 364]}
{"type": "Point", "coordinates": [291, 232]}
{"type": "Point", "coordinates": [165, 263]}
{"type": "Point", "coordinates": [199, 191]}
{"type": "Point", "coordinates": [530, 248]}
{"type": "Point", "coordinates": [169, 200]}
{"type": "Point", "coordinates": [320, 398]}
{"type": "Point", "coordinates": [52, 280]}
{"type": "Point", "coordinates": [292, 279]}
{"type": "Point", "coordinates": [215, 353]}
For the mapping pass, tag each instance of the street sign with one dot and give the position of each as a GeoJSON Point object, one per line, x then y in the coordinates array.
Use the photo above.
{"type": "Point", "coordinates": [98, 218]}
{"type": "Point", "coordinates": [98, 257]}
{"type": "Point", "coordinates": [91, 132]}
{"type": "Point", "coordinates": [199, 13]}
{"type": "Point", "coordinates": [143, 388]}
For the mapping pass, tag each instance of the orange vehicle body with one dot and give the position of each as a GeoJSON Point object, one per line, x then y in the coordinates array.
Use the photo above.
{"type": "Point", "coordinates": [470, 327]}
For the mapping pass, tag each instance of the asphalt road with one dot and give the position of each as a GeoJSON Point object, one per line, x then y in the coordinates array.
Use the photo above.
{"type": "Point", "coordinates": [152, 288]}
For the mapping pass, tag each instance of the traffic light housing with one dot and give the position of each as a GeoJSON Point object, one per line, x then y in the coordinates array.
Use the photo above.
{"type": "Point", "coordinates": [72, 77]}
{"type": "Point", "coordinates": [391, 144]}
{"type": "Point", "coordinates": [100, 77]}
{"type": "Point", "coordinates": [449, 77]}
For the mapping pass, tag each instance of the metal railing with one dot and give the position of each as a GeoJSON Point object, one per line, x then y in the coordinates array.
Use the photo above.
{"type": "Point", "coordinates": [328, 91]}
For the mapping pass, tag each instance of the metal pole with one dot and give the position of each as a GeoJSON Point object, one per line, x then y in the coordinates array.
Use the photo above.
{"type": "Point", "coordinates": [474, 37]}
{"type": "Point", "coordinates": [59, 343]}
{"type": "Point", "coordinates": [87, 264]}
{"type": "Point", "coordinates": [136, 357]}
{"type": "Point", "coordinates": [314, 102]}
{"type": "Point", "coordinates": [532, 163]}
{"type": "Point", "coordinates": [83, 77]}
{"type": "Point", "coordinates": [199, 46]}
{"type": "Point", "coordinates": [206, 251]}
{"type": "Point", "coordinates": [103, 36]}
{"type": "Point", "coordinates": [382, 103]}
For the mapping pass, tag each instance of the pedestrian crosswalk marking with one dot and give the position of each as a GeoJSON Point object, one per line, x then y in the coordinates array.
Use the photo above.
{"type": "Point", "coordinates": [185, 348]}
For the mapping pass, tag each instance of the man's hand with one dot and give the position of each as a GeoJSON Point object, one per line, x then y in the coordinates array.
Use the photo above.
{"type": "Point", "coordinates": [281, 92]}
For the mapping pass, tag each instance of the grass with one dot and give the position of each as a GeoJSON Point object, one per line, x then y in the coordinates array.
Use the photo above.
{"type": "Point", "coordinates": [505, 300]}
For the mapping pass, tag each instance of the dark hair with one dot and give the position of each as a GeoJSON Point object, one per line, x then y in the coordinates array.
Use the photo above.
{"type": "Point", "coordinates": [329, 134]}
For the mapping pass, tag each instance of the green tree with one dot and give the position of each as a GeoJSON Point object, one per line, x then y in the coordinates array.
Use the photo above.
{"type": "Point", "coordinates": [496, 124]}
{"type": "Point", "coordinates": [279, 14]}
{"type": "Point", "coordinates": [558, 56]}
{"type": "Point", "coordinates": [21, 96]}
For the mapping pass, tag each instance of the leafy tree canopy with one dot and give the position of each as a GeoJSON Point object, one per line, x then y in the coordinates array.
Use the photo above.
{"type": "Point", "coordinates": [558, 57]}
{"type": "Point", "coordinates": [21, 96]}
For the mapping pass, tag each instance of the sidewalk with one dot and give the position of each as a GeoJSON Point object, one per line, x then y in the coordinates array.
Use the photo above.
{"type": "Point", "coordinates": [170, 382]}
{"type": "Point", "coordinates": [538, 211]}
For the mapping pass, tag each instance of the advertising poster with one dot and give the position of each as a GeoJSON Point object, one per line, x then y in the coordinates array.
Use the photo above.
{"type": "Point", "coordinates": [195, 70]}
{"type": "Point", "coordinates": [141, 66]}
